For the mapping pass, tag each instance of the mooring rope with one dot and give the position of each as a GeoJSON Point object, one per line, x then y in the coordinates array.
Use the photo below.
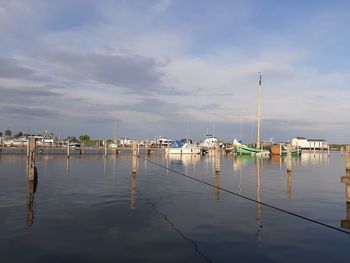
{"type": "Point", "coordinates": [250, 199]}
{"type": "Point", "coordinates": [166, 218]}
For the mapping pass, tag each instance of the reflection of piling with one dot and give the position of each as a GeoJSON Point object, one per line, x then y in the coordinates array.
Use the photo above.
{"type": "Point", "coordinates": [289, 157]}
{"type": "Point", "coordinates": [289, 184]}
{"type": "Point", "coordinates": [346, 180]}
{"type": "Point", "coordinates": [217, 159]}
{"type": "Point", "coordinates": [347, 154]}
{"type": "Point", "coordinates": [133, 191]}
{"type": "Point", "coordinates": [217, 182]}
{"type": "Point", "coordinates": [32, 184]}
{"type": "Point", "coordinates": [345, 223]}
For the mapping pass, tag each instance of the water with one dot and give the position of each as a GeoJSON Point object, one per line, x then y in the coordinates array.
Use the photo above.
{"type": "Point", "coordinates": [90, 208]}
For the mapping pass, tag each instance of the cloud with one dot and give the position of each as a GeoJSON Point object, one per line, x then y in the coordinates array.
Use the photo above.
{"type": "Point", "coordinates": [10, 68]}
{"type": "Point", "coordinates": [135, 74]}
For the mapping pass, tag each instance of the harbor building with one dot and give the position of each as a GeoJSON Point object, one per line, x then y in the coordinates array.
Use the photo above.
{"type": "Point", "coordinates": [304, 143]}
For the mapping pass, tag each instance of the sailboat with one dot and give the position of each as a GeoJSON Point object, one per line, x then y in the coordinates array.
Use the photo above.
{"type": "Point", "coordinates": [244, 149]}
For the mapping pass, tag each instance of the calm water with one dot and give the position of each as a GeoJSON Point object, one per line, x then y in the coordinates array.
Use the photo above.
{"type": "Point", "coordinates": [90, 209]}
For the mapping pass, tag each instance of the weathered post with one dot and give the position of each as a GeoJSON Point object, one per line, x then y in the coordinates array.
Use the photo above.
{"type": "Point", "coordinates": [328, 150]}
{"type": "Point", "coordinates": [68, 149]}
{"type": "Point", "coordinates": [105, 144]}
{"type": "Point", "coordinates": [341, 150]}
{"type": "Point", "coordinates": [217, 158]}
{"type": "Point", "coordinates": [347, 154]}
{"type": "Point", "coordinates": [289, 157]}
{"type": "Point", "coordinates": [31, 159]}
{"type": "Point", "coordinates": [138, 149]}
{"type": "Point", "coordinates": [134, 158]}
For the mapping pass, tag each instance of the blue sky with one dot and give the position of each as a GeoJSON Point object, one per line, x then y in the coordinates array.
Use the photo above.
{"type": "Point", "coordinates": [65, 66]}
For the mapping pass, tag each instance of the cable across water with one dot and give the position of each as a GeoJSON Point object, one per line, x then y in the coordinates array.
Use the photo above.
{"type": "Point", "coordinates": [250, 199]}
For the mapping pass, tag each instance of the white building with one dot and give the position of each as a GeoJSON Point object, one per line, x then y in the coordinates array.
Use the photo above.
{"type": "Point", "coordinates": [300, 142]}
{"type": "Point", "coordinates": [304, 143]}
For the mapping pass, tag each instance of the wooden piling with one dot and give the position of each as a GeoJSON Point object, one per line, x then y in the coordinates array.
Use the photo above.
{"type": "Point", "coordinates": [31, 150]}
{"type": "Point", "coordinates": [134, 158]}
{"type": "Point", "coordinates": [341, 151]}
{"type": "Point", "coordinates": [347, 154]}
{"type": "Point", "coordinates": [68, 148]}
{"type": "Point", "coordinates": [217, 159]}
{"type": "Point", "coordinates": [105, 144]}
{"type": "Point", "coordinates": [289, 157]}
{"type": "Point", "coordinates": [328, 150]}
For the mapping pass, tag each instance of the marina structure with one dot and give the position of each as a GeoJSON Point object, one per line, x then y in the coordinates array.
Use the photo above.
{"type": "Point", "coordinates": [304, 143]}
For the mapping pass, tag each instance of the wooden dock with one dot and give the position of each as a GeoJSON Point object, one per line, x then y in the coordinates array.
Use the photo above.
{"type": "Point", "coordinates": [81, 150]}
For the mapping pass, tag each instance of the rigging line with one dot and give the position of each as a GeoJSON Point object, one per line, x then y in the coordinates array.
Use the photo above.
{"type": "Point", "coordinates": [195, 245]}
{"type": "Point", "coordinates": [253, 200]}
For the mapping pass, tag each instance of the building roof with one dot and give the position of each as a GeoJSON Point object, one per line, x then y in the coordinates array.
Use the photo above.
{"type": "Point", "coordinates": [316, 140]}
{"type": "Point", "coordinates": [300, 138]}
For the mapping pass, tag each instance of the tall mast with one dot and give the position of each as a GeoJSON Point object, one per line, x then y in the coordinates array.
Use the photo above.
{"type": "Point", "coordinates": [259, 111]}
{"type": "Point", "coordinates": [115, 127]}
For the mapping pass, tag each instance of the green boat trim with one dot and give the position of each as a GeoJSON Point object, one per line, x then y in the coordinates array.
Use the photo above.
{"type": "Point", "coordinates": [294, 152]}
{"type": "Point", "coordinates": [248, 150]}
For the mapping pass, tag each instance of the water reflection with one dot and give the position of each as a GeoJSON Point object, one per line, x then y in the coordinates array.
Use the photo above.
{"type": "Point", "coordinates": [32, 175]}
{"type": "Point", "coordinates": [133, 191]}
{"type": "Point", "coordinates": [345, 223]}
{"type": "Point", "coordinates": [184, 160]}
{"type": "Point", "coordinates": [289, 185]}
{"type": "Point", "coordinates": [258, 206]}
{"type": "Point", "coordinates": [67, 166]}
{"type": "Point", "coordinates": [217, 183]}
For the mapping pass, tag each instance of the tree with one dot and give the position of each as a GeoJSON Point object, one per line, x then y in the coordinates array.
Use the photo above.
{"type": "Point", "coordinates": [72, 138]}
{"type": "Point", "coordinates": [8, 133]}
{"type": "Point", "coordinates": [84, 138]}
{"type": "Point", "coordinates": [1, 133]}
{"type": "Point", "coordinates": [19, 134]}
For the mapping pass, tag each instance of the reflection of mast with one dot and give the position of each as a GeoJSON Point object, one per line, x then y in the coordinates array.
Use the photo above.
{"type": "Point", "coordinates": [258, 207]}
{"type": "Point", "coordinates": [114, 169]}
{"type": "Point", "coordinates": [105, 166]}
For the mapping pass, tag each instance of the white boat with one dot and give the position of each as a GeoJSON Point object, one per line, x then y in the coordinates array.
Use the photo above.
{"type": "Point", "coordinates": [210, 142]}
{"type": "Point", "coordinates": [184, 146]}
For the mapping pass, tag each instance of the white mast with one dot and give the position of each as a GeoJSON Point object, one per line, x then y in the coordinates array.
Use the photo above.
{"type": "Point", "coordinates": [259, 111]}
{"type": "Point", "coordinates": [115, 127]}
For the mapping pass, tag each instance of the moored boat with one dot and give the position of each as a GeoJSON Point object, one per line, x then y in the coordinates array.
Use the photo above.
{"type": "Point", "coordinates": [184, 146]}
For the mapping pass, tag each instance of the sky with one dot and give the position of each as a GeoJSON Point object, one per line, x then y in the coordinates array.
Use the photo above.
{"type": "Point", "coordinates": [67, 66]}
